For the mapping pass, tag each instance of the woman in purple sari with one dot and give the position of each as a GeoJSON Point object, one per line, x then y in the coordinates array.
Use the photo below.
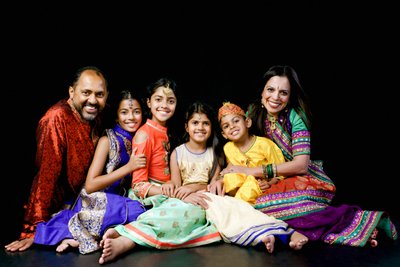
{"type": "Point", "coordinates": [303, 198]}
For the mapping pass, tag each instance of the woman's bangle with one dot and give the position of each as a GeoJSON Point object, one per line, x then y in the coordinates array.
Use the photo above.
{"type": "Point", "coordinates": [265, 172]}
{"type": "Point", "coordinates": [269, 171]}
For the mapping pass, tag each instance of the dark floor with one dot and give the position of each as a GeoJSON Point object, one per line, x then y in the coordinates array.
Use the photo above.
{"type": "Point", "coordinates": [313, 254]}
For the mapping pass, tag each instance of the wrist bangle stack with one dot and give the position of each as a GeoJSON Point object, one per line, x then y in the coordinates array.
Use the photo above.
{"type": "Point", "coordinates": [269, 171]}
{"type": "Point", "coordinates": [265, 172]}
{"type": "Point", "coordinates": [275, 170]}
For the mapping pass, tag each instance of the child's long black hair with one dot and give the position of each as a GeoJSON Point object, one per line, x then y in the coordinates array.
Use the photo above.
{"type": "Point", "coordinates": [214, 140]}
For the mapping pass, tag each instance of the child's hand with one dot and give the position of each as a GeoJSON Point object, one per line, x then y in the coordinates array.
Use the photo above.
{"type": "Point", "coordinates": [168, 189]}
{"type": "Point", "coordinates": [183, 191]}
{"type": "Point", "coordinates": [197, 198]}
{"type": "Point", "coordinates": [264, 185]}
{"type": "Point", "coordinates": [137, 161]}
{"type": "Point", "coordinates": [217, 188]}
{"type": "Point", "coordinates": [274, 180]}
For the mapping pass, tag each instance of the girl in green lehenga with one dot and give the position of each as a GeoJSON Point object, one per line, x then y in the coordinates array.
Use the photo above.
{"type": "Point", "coordinates": [171, 222]}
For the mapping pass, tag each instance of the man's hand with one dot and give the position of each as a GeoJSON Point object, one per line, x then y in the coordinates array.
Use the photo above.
{"type": "Point", "coordinates": [19, 245]}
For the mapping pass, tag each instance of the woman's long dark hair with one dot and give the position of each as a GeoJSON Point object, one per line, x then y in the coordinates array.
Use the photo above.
{"type": "Point", "coordinates": [298, 100]}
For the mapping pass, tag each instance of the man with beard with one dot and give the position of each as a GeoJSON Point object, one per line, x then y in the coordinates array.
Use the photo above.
{"type": "Point", "coordinates": [66, 137]}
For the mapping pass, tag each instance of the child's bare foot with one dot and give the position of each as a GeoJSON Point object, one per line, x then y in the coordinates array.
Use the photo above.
{"type": "Point", "coordinates": [297, 240]}
{"type": "Point", "coordinates": [113, 247]}
{"type": "Point", "coordinates": [66, 243]}
{"type": "Point", "coordinates": [269, 242]}
{"type": "Point", "coordinates": [110, 233]}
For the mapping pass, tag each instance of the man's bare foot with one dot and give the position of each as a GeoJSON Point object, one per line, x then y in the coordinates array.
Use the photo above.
{"type": "Point", "coordinates": [269, 242]}
{"type": "Point", "coordinates": [66, 243]}
{"type": "Point", "coordinates": [297, 240]}
{"type": "Point", "coordinates": [113, 247]}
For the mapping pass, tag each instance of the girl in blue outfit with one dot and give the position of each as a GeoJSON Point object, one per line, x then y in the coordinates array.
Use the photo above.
{"type": "Point", "coordinates": [102, 202]}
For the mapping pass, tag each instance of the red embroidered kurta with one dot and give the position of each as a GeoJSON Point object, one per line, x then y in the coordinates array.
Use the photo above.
{"type": "Point", "coordinates": [65, 147]}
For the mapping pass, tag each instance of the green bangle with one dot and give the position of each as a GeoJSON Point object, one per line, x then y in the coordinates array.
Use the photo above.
{"type": "Point", "coordinates": [270, 171]}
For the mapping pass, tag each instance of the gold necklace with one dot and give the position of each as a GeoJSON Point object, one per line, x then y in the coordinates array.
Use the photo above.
{"type": "Point", "coordinates": [272, 121]}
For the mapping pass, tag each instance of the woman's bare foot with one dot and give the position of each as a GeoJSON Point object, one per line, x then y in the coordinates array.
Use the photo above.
{"type": "Point", "coordinates": [373, 243]}
{"type": "Point", "coordinates": [66, 243]}
{"type": "Point", "coordinates": [297, 240]}
{"type": "Point", "coordinates": [269, 242]}
{"type": "Point", "coordinates": [113, 247]}
{"type": "Point", "coordinates": [372, 238]}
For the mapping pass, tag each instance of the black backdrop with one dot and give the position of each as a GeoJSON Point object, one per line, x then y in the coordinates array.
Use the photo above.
{"type": "Point", "coordinates": [342, 55]}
